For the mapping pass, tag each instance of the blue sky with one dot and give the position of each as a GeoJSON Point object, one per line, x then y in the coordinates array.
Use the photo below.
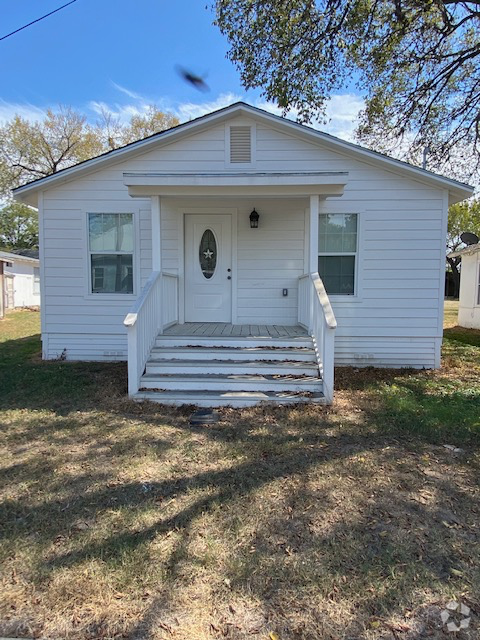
{"type": "Point", "coordinates": [122, 55]}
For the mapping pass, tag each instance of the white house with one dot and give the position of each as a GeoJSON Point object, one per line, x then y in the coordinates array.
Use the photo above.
{"type": "Point", "coordinates": [469, 305]}
{"type": "Point", "coordinates": [21, 280]}
{"type": "Point", "coordinates": [152, 252]}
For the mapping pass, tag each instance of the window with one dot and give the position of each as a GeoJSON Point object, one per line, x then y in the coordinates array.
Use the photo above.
{"type": "Point", "coordinates": [208, 253]}
{"type": "Point", "coordinates": [110, 242]}
{"type": "Point", "coordinates": [337, 252]}
{"type": "Point", "coordinates": [36, 280]}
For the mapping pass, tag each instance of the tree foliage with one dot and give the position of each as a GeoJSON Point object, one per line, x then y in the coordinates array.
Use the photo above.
{"type": "Point", "coordinates": [463, 216]}
{"type": "Point", "coordinates": [417, 62]}
{"type": "Point", "coordinates": [31, 150]}
{"type": "Point", "coordinates": [18, 226]}
{"type": "Point", "coordinates": [113, 133]}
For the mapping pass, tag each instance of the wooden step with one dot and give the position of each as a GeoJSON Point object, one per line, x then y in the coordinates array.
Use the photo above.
{"type": "Point", "coordinates": [227, 367]}
{"type": "Point", "coordinates": [233, 382]}
{"type": "Point", "coordinates": [232, 341]}
{"type": "Point", "coordinates": [229, 353]}
{"type": "Point", "coordinates": [228, 398]}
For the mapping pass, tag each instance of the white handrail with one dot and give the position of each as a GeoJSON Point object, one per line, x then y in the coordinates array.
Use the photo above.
{"type": "Point", "coordinates": [152, 311]}
{"type": "Point", "coordinates": [324, 301]}
{"type": "Point", "coordinates": [316, 313]}
{"type": "Point", "coordinates": [132, 315]}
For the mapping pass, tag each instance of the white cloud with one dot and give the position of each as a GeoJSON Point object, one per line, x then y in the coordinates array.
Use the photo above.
{"type": "Point", "coordinates": [127, 92]}
{"type": "Point", "coordinates": [122, 112]}
{"type": "Point", "coordinates": [28, 111]}
{"type": "Point", "coordinates": [342, 113]}
{"type": "Point", "coordinates": [191, 110]}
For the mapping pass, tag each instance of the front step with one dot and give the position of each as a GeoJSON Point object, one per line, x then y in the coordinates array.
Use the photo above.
{"type": "Point", "coordinates": [232, 342]}
{"type": "Point", "coordinates": [303, 354]}
{"type": "Point", "coordinates": [232, 367]}
{"type": "Point", "coordinates": [228, 398]}
{"type": "Point", "coordinates": [212, 382]}
{"type": "Point", "coordinates": [231, 371]}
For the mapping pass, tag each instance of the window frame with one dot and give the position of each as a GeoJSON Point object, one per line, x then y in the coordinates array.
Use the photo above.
{"type": "Point", "coordinates": [335, 209]}
{"type": "Point", "coordinates": [135, 253]}
{"type": "Point", "coordinates": [36, 281]}
{"type": "Point", "coordinates": [477, 303]}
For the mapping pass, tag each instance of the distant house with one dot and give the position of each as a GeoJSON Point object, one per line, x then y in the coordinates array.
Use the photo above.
{"type": "Point", "coordinates": [234, 258]}
{"type": "Point", "coordinates": [21, 279]}
{"type": "Point", "coordinates": [469, 305]}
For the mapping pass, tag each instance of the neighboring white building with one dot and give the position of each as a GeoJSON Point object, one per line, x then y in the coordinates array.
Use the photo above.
{"type": "Point", "coordinates": [157, 236]}
{"type": "Point", "coordinates": [21, 280]}
{"type": "Point", "coordinates": [469, 304]}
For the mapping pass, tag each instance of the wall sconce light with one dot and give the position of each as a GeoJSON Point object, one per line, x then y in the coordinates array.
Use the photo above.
{"type": "Point", "coordinates": [254, 217]}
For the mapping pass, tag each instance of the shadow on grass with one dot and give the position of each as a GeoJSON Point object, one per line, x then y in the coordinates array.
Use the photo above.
{"type": "Point", "coordinates": [465, 336]}
{"type": "Point", "coordinates": [324, 519]}
{"type": "Point", "coordinates": [281, 531]}
{"type": "Point", "coordinates": [28, 382]}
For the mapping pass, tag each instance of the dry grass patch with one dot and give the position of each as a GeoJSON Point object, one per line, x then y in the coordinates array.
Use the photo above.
{"type": "Point", "coordinates": [348, 522]}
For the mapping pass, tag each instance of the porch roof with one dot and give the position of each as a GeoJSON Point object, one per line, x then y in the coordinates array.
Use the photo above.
{"type": "Point", "coordinates": [297, 183]}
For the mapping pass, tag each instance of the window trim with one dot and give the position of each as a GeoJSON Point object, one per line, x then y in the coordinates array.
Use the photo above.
{"type": "Point", "coordinates": [359, 211]}
{"type": "Point", "coordinates": [120, 208]}
{"type": "Point", "coordinates": [477, 303]}
{"type": "Point", "coordinates": [36, 281]}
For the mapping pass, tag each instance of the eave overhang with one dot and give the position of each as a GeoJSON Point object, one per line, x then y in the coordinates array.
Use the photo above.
{"type": "Point", "coordinates": [305, 183]}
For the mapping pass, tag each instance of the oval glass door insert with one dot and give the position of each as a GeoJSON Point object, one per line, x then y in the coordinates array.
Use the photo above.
{"type": "Point", "coordinates": [208, 253]}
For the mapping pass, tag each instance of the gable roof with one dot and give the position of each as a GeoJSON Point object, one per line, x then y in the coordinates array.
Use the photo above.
{"type": "Point", "coordinates": [458, 190]}
{"type": "Point", "coordinates": [7, 256]}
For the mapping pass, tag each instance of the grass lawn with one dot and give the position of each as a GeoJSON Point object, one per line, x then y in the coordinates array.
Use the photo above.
{"type": "Point", "coordinates": [352, 522]}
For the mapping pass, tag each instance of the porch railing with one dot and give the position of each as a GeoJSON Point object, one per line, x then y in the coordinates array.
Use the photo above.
{"type": "Point", "coordinates": [156, 308]}
{"type": "Point", "coordinates": [315, 312]}
{"type": "Point", "coordinates": [170, 300]}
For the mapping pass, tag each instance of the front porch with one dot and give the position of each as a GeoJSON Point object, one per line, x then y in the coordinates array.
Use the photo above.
{"type": "Point", "coordinates": [232, 290]}
{"type": "Point", "coordinates": [215, 364]}
{"type": "Point", "coordinates": [226, 330]}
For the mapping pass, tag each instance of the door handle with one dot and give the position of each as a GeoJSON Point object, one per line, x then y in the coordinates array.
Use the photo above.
{"type": "Point", "coordinates": [229, 277]}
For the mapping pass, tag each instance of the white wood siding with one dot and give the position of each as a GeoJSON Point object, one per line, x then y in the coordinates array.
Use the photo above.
{"type": "Point", "coordinates": [394, 320]}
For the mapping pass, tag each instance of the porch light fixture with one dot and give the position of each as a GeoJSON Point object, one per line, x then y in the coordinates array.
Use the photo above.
{"type": "Point", "coordinates": [254, 217]}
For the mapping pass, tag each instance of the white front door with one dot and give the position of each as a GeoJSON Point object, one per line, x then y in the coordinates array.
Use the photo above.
{"type": "Point", "coordinates": [208, 268]}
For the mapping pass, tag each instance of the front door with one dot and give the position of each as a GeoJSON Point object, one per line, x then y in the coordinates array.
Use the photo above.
{"type": "Point", "coordinates": [208, 268]}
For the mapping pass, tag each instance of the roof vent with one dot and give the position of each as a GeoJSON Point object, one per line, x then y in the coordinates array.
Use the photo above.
{"type": "Point", "coordinates": [240, 145]}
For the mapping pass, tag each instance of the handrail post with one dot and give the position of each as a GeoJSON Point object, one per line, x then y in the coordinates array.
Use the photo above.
{"type": "Point", "coordinates": [328, 357]}
{"type": "Point", "coordinates": [321, 326]}
{"type": "Point", "coordinates": [160, 304]}
{"type": "Point", "coordinates": [133, 373]}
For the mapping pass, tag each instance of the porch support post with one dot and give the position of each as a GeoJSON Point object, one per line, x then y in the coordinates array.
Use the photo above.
{"type": "Point", "coordinates": [313, 234]}
{"type": "Point", "coordinates": [156, 234]}
{"type": "Point", "coordinates": [157, 252]}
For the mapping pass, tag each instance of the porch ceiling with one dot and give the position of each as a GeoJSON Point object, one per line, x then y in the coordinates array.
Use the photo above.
{"type": "Point", "coordinates": [305, 183]}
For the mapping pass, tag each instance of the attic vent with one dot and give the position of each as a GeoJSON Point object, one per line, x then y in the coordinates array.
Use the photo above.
{"type": "Point", "coordinates": [240, 144]}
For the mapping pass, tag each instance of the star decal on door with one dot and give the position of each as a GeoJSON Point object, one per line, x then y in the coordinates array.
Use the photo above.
{"type": "Point", "coordinates": [208, 254]}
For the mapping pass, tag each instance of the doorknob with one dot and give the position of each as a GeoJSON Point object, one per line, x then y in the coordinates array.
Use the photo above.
{"type": "Point", "coordinates": [229, 277]}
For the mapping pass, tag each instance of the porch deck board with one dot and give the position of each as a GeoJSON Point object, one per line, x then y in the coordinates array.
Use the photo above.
{"type": "Point", "coordinates": [216, 329]}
